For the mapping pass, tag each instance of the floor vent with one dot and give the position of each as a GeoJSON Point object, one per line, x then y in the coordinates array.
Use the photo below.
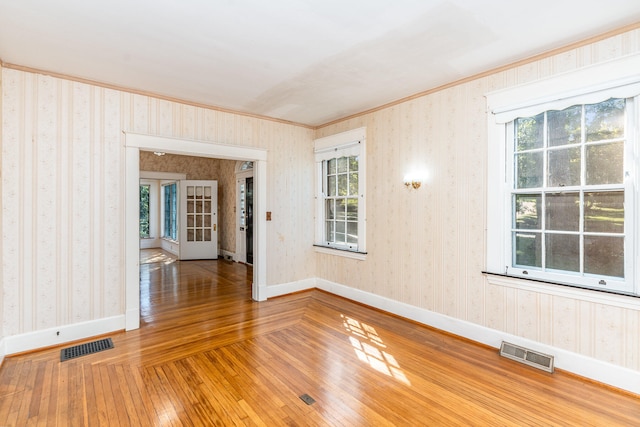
{"type": "Point", "coordinates": [84, 349]}
{"type": "Point", "coordinates": [527, 356]}
{"type": "Point", "coordinates": [307, 399]}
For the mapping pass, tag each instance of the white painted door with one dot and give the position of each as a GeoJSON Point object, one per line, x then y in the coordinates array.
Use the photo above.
{"type": "Point", "coordinates": [198, 219]}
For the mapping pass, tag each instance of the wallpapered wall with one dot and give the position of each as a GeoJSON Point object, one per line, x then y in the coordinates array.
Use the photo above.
{"type": "Point", "coordinates": [220, 170]}
{"type": "Point", "coordinates": [63, 203]}
{"type": "Point", "coordinates": [426, 247]}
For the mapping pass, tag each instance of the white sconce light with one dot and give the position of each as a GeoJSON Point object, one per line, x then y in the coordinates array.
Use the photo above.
{"type": "Point", "coordinates": [159, 153]}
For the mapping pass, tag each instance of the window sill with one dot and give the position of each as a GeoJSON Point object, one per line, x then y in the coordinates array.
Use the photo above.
{"type": "Point", "coordinates": [361, 256]}
{"type": "Point", "coordinates": [626, 301]}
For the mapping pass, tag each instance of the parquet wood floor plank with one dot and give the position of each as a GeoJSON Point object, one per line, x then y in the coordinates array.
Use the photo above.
{"type": "Point", "coordinates": [207, 355]}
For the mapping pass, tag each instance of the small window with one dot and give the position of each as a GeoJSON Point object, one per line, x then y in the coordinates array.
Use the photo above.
{"type": "Point", "coordinates": [340, 217]}
{"type": "Point", "coordinates": [245, 166]}
{"type": "Point", "coordinates": [144, 210]}
{"type": "Point", "coordinates": [341, 194]}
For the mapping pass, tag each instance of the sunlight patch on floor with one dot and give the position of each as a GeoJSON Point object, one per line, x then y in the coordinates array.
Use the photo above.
{"type": "Point", "coordinates": [371, 350]}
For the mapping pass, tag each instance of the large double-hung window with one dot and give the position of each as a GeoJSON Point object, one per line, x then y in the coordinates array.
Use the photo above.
{"type": "Point", "coordinates": [568, 192]}
{"type": "Point", "coordinates": [563, 181]}
{"type": "Point", "coordinates": [340, 201]}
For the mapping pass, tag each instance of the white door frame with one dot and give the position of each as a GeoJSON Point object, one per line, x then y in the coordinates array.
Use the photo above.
{"type": "Point", "coordinates": [133, 144]}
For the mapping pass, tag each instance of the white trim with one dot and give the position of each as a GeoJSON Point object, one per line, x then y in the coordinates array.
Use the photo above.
{"type": "Point", "coordinates": [341, 252]}
{"type": "Point", "coordinates": [619, 78]}
{"type": "Point", "coordinates": [62, 334]}
{"type": "Point", "coordinates": [133, 144]}
{"type": "Point", "coordinates": [340, 139]}
{"type": "Point", "coordinates": [291, 287]}
{"type": "Point", "coordinates": [587, 295]}
{"type": "Point", "coordinates": [3, 351]}
{"type": "Point", "coordinates": [194, 147]}
{"type": "Point", "coordinates": [259, 286]}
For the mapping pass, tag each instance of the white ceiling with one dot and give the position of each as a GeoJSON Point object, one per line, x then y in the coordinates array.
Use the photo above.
{"type": "Point", "coordinates": [306, 61]}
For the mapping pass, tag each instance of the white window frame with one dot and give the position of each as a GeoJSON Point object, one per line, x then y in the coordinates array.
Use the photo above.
{"type": "Point", "coordinates": [613, 79]}
{"type": "Point", "coordinates": [350, 143]}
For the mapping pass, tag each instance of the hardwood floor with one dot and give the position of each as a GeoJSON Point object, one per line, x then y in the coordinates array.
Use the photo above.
{"type": "Point", "coordinates": [206, 354]}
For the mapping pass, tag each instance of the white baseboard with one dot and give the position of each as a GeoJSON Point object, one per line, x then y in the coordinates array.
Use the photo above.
{"type": "Point", "coordinates": [2, 351]}
{"type": "Point", "coordinates": [291, 287]}
{"type": "Point", "coordinates": [63, 334]}
{"type": "Point", "coordinates": [597, 370]}
{"type": "Point", "coordinates": [228, 255]}
{"type": "Point", "coordinates": [132, 319]}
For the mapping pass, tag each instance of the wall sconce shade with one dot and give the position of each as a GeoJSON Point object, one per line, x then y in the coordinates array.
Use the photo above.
{"type": "Point", "coordinates": [414, 184]}
{"type": "Point", "coordinates": [412, 181]}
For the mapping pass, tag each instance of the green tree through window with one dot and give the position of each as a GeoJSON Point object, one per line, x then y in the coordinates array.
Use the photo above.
{"type": "Point", "coordinates": [144, 210]}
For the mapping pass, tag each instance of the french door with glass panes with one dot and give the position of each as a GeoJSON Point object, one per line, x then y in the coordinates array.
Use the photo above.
{"type": "Point", "coordinates": [198, 219]}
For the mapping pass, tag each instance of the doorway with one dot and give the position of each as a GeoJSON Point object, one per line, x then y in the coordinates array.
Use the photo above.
{"type": "Point", "coordinates": [249, 233]}
{"type": "Point", "coordinates": [136, 142]}
{"type": "Point", "coordinates": [244, 212]}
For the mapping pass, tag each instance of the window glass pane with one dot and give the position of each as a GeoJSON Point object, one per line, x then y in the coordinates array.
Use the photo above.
{"type": "Point", "coordinates": [331, 167]}
{"type": "Point", "coordinates": [342, 164]}
{"type": "Point", "coordinates": [564, 167]}
{"type": "Point", "coordinates": [604, 212]}
{"type": "Point", "coordinates": [605, 163]}
{"type": "Point", "coordinates": [352, 232]}
{"type": "Point", "coordinates": [353, 184]}
{"type": "Point", "coordinates": [529, 132]}
{"type": "Point", "coordinates": [528, 249]}
{"type": "Point", "coordinates": [565, 127]}
{"type": "Point", "coordinates": [527, 211]}
{"type": "Point", "coordinates": [563, 252]}
{"type": "Point", "coordinates": [605, 120]}
{"type": "Point", "coordinates": [144, 210]}
{"type": "Point", "coordinates": [331, 209]}
{"type": "Point", "coordinates": [563, 211]}
{"type": "Point", "coordinates": [340, 232]}
{"type": "Point", "coordinates": [529, 170]}
{"type": "Point", "coordinates": [352, 209]}
{"type": "Point", "coordinates": [353, 164]}
{"type": "Point", "coordinates": [341, 209]}
{"type": "Point", "coordinates": [331, 185]}
{"type": "Point", "coordinates": [604, 255]}
{"type": "Point", "coordinates": [343, 186]}
{"type": "Point", "coordinates": [330, 231]}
